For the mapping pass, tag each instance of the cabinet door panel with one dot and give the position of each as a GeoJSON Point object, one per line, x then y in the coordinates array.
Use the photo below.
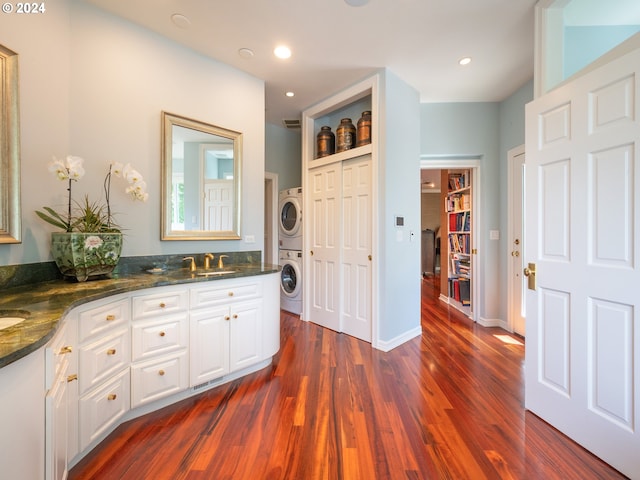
{"type": "Point", "coordinates": [209, 344]}
{"type": "Point", "coordinates": [246, 334]}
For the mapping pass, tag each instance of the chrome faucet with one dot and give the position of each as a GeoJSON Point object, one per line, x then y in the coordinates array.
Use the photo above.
{"type": "Point", "coordinates": [207, 260]}
{"type": "Point", "coordinates": [220, 263]}
{"type": "Point", "coordinates": [192, 265]}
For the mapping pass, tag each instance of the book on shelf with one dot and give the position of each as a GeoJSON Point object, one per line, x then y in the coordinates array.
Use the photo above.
{"type": "Point", "coordinates": [458, 181]}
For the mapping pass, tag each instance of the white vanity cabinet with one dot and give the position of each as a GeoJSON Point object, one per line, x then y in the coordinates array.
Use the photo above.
{"type": "Point", "coordinates": [143, 350]}
{"type": "Point", "coordinates": [59, 362]}
{"type": "Point", "coordinates": [160, 340]}
{"type": "Point", "coordinates": [103, 367]}
{"type": "Point", "coordinates": [226, 328]}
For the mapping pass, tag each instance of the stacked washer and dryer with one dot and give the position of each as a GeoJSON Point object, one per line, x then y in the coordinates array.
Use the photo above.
{"type": "Point", "coordinates": [290, 254]}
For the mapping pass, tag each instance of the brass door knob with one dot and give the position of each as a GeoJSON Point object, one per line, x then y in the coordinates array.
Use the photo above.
{"type": "Point", "coordinates": [111, 351]}
{"type": "Point", "coordinates": [110, 318]}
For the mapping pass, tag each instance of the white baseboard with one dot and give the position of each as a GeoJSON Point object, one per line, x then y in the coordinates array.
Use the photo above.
{"type": "Point", "coordinates": [493, 322]}
{"type": "Point", "coordinates": [386, 346]}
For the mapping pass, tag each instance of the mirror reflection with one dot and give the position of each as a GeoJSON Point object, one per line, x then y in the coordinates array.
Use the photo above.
{"type": "Point", "coordinates": [201, 187]}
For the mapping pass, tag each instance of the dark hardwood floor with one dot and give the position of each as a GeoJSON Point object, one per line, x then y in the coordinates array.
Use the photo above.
{"type": "Point", "coordinates": [446, 405]}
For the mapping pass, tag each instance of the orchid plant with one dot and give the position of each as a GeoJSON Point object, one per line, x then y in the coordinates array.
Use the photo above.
{"type": "Point", "coordinates": [90, 216]}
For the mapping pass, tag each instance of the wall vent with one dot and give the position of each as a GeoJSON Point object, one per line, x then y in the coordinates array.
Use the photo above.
{"type": "Point", "coordinates": [292, 123]}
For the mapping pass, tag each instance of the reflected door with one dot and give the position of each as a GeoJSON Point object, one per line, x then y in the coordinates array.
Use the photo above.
{"type": "Point", "coordinates": [218, 205]}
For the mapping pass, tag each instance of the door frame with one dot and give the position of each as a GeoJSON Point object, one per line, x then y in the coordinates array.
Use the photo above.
{"type": "Point", "coordinates": [471, 162]}
{"type": "Point", "coordinates": [511, 216]}
{"type": "Point", "coordinates": [271, 217]}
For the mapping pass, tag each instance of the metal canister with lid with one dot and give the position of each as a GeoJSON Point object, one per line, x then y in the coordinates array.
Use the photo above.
{"type": "Point", "coordinates": [326, 142]}
{"type": "Point", "coordinates": [346, 135]}
{"type": "Point", "coordinates": [364, 129]}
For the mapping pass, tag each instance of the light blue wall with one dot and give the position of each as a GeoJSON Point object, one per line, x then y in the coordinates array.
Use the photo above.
{"type": "Point", "coordinates": [472, 130]}
{"type": "Point", "coordinates": [583, 45]}
{"type": "Point", "coordinates": [283, 152]}
{"type": "Point", "coordinates": [487, 131]}
{"type": "Point", "coordinates": [399, 194]}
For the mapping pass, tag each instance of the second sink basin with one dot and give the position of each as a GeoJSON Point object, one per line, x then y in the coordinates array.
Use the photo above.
{"type": "Point", "coordinates": [215, 274]}
{"type": "Point", "coordinates": [11, 318]}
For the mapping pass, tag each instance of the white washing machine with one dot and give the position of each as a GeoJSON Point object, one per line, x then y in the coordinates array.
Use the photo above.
{"type": "Point", "coordinates": [290, 219]}
{"type": "Point", "coordinates": [291, 281]}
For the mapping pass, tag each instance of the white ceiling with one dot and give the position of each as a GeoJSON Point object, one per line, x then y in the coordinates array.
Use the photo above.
{"type": "Point", "coordinates": [335, 45]}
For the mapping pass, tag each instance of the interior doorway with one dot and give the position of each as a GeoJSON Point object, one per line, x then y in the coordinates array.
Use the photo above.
{"type": "Point", "coordinates": [515, 209]}
{"type": "Point", "coordinates": [270, 218]}
{"type": "Point", "coordinates": [435, 166]}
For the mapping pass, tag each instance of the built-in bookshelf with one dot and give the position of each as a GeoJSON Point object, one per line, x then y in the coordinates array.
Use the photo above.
{"type": "Point", "coordinates": [458, 209]}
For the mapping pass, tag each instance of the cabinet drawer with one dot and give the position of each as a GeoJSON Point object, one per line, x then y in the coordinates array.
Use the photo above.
{"type": "Point", "coordinates": [100, 320]}
{"type": "Point", "coordinates": [102, 408]}
{"type": "Point", "coordinates": [159, 336]}
{"type": "Point", "coordinates": [204, 297]}
{"type": "Point", "coordinates": [158, 378]}
{"type": "Point", "coordinates": [99, 360]}
{"type": "Point", "coordinates": [172, 301]}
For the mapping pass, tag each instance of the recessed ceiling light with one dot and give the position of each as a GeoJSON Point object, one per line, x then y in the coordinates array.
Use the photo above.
{"type": "Point", "coordinates": [245, 52]}
{"type": "Point", "coordinates": [356, 3]}
{"type": "Point", "coordinates": [289, 94]}
{"type": "Point", "coordinates": [180, 20]}
{"type": "Point", "coordinates": [282, 52]}
{"type": "Point", "coordinates": [464, 61]}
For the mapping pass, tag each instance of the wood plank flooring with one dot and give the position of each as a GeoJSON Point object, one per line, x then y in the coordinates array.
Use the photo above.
{"type": "Point", "coordinates": [446, 405]}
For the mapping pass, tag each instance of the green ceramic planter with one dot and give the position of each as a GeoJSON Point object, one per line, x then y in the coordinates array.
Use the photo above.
{"type": "Point", "coordinates": [85, 255]}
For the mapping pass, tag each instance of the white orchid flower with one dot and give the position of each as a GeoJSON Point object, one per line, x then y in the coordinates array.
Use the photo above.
{"type": "Point", "coordinates": [117, 169]}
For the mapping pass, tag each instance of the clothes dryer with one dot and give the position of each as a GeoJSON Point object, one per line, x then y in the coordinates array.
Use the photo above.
{"type": "Point", "coordinates": [290, 219]}
{"type": "Point", "coordinates": [291, 281]}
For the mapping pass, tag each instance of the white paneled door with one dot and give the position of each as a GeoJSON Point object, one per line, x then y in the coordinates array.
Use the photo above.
{"type": "Point", "coordinates": [324, 291]}
{"type": "Point", "coordinates": [356, 248]}
{"type": "Point", "coordinates": [582, 249]}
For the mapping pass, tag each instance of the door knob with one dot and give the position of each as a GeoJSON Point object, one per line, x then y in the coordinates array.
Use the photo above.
{"type": "Point", "coordinates": [530, 273]}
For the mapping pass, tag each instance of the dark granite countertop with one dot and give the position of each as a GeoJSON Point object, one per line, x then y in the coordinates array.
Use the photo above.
{"type": "Point", "coordinates": [45, 304]}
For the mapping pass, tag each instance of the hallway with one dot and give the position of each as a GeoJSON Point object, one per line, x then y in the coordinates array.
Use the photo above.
{"type": "Point", "coordinates": [446, 405]}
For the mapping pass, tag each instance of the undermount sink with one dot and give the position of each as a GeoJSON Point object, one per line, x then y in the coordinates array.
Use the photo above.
{"type": "Point", "coordinates": [12, 317]}
{"type": "Point", "coordinates": [215, 274]}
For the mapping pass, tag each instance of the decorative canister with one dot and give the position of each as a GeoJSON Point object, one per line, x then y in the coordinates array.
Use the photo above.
{"type": "Point", "coordinates": [346, 134]}
{"type": "Point", "coordinates": [364, 129]}
{"type": "Point", "coordinates": [326, 142]}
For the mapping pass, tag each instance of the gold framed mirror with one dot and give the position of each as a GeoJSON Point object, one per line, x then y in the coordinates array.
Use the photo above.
{"type": "Point", "coordinates": [10, 220]}
{"type": "Point", "coordinates": [201, 168]}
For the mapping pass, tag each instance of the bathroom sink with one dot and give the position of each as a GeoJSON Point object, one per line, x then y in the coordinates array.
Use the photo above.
{"type": "Point", "coordinates": [11, 318]}
{"type": "Point", "coordinates": [215, 274]}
